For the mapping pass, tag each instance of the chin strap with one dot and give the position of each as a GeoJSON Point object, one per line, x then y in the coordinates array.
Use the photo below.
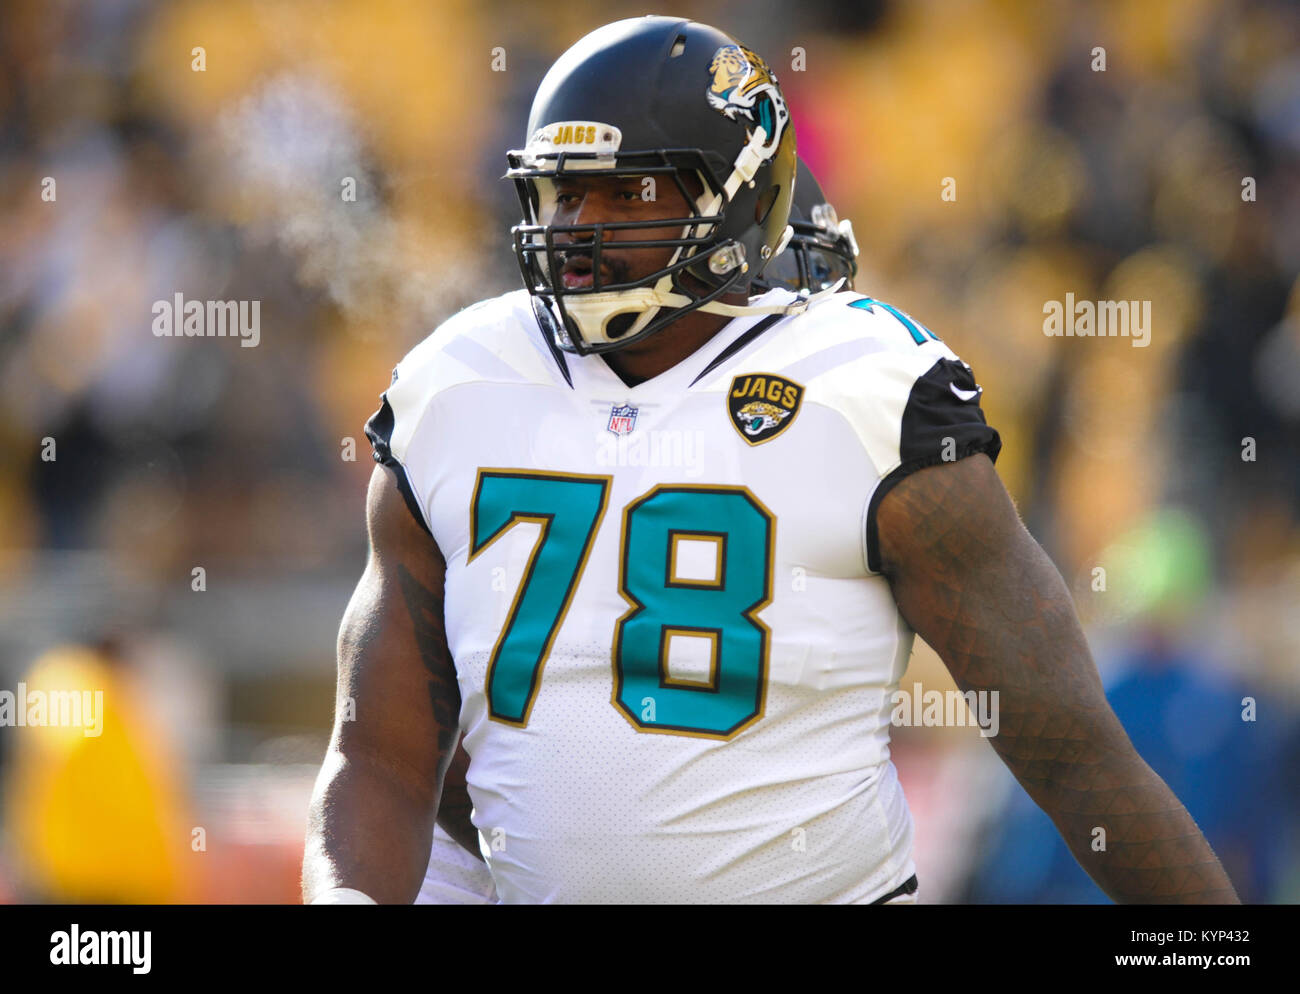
{"type": "Point", "coordinates": [592, 312]}
{"type": "Point", "coordinates": [797, 306]}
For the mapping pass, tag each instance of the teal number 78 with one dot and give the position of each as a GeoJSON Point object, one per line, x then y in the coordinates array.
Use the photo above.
{"type": "Point", "coordinates": [662, 605]}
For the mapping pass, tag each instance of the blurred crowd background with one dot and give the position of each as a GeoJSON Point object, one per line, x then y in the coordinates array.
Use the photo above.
{"type": "Point", "coordinates": [1174, 468]}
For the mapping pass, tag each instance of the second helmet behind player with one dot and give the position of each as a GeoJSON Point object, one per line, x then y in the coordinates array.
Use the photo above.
{"type": "Point", "coordinates": [823, 250]}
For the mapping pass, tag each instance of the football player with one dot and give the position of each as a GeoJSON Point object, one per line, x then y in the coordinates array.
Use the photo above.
{"type": "Point", "coordinates": [659, 550]}
{"type": "Point", "coordinates": [822, 253]}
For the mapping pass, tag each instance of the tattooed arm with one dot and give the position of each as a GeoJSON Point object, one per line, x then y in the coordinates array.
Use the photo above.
{"type": "Point", "coordinates": [370, 825]}
{"type": "Point", "coordinates": [974, 584]}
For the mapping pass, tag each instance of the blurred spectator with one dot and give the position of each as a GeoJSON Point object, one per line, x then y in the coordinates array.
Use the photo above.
{"type": "Point", "coordinates": [95, 810]}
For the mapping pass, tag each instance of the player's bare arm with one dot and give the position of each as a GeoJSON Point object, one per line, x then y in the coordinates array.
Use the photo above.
{"type": "Point", "coordinates": [972, 582]}
{"type": "Point", "coordinates": [372, 813]}
{"type": "Point", "coordinates": [455, 805]}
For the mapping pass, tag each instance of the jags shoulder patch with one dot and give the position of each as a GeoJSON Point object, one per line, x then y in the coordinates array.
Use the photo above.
{"type": "Point", "coordinates": [762, 405]}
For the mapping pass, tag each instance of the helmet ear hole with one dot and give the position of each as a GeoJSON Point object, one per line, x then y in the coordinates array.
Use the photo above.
{"type": "Point", "coordinates": [765, 204]}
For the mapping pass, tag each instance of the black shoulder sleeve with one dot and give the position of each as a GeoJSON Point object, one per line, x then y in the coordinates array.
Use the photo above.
{"type": "Point", "coordinates": [379, 429]}
{"type": "Point", "coordinates": [942, 422]}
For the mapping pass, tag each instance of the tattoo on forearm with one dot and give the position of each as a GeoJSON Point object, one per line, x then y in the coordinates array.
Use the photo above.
{"type": "Point", "coordinates": [425, 608]}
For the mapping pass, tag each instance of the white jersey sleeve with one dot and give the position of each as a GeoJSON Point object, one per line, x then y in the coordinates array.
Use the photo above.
{"type": "Point", "coordinates": [469, 347]}
{"type": "Point", "coordinates": [911, 401]}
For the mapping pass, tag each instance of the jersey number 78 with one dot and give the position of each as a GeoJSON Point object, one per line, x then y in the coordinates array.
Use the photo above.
{"type": "Point", "coordinates": [569, 509]}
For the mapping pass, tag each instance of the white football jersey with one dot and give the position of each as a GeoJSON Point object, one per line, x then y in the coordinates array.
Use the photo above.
{"type": "Point", "coordinates": [455, 876]}
{"type": "Point", "coordinates": [675, 651]}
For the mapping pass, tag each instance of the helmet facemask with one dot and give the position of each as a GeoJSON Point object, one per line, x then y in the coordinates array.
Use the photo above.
{"type": "Point", "coordinates": [611, 315]}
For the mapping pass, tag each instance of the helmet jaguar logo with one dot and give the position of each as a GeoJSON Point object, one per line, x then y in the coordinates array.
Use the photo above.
{"type": "Point", "coordinates": [759, 416]}
{"type": "Point", "coordinates": [743, 86]}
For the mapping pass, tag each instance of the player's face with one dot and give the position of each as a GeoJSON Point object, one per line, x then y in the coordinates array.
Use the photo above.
{"type": "Point", "coordinates": [611, 199]}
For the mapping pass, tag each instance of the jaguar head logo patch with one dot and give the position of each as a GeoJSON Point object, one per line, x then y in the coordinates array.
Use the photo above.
{"type": "Point", "coordinates": [762, 405]}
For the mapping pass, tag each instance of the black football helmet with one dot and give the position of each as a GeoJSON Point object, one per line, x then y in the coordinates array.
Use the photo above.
{"type": "Point", "coordinates": [661, 97]}
{"type": "Point", "coordinates": [822, 251]}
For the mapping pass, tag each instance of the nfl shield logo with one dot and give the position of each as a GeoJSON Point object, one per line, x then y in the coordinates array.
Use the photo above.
{"type": "Point", "coordinates": [622, 419]}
